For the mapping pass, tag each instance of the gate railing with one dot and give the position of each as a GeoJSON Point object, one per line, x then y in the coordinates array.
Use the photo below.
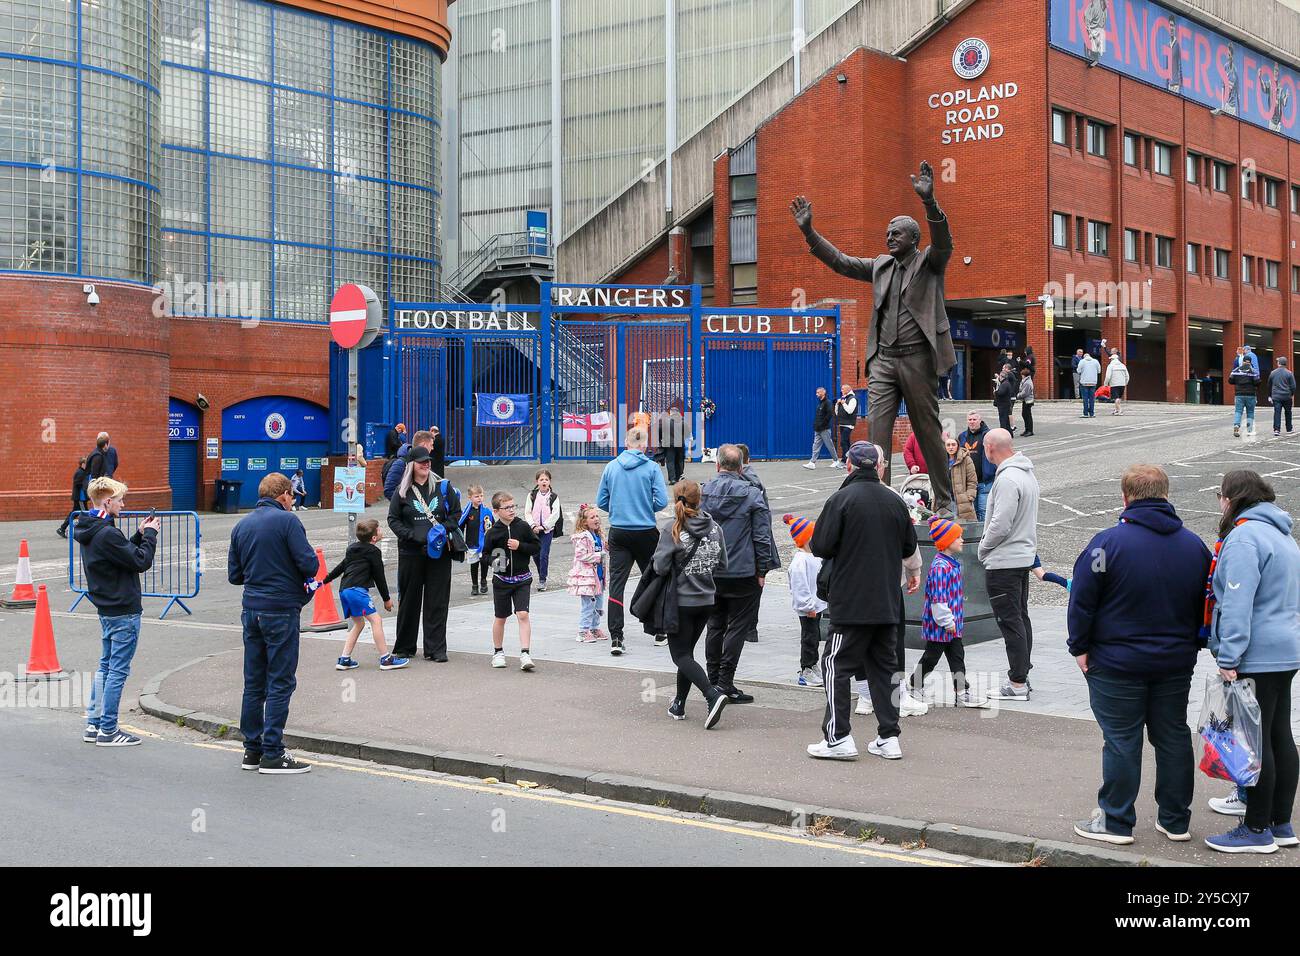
{"type": "Point", "coordinates": [177, 568]}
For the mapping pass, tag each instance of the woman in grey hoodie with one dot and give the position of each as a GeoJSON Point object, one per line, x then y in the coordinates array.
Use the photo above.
{"type": "Point", "coordinates": [1255, 635]}
{"type": "Point", "coordinates": [691, 547]}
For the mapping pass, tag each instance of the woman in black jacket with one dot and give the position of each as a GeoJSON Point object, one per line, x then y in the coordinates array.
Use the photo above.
{"type": "Point", "coordinates": [422, 582]}
{"type": "Point", "coordinates": [79, 480]}
{"type": "Point", "coordinates": [1005, 396]}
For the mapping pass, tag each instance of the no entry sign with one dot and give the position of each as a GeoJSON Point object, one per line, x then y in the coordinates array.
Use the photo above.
{"type": "Point", "coordinates": [354, 316]}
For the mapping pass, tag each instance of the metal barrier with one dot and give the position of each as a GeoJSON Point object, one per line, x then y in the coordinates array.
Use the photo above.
{"type": "Point", "coordinates": [177, 568]}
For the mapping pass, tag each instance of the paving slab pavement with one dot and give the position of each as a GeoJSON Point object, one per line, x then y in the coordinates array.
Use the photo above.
{"type": "Point", "coordinates": [1017, 773]}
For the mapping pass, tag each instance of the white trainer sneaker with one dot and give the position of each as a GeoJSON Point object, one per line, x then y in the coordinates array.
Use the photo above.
{"type": "Point", "coordinates": [810, 465]}
{"type": "Point", "coordinates": [525, 661]}
{"type": "Point", "coordinates": [1231, 806]}
{"type": "Point", "coordinates": [846, 749]}
{"type": "Point", "coordinates": [909, 706]}
{"type": "Point", "coordinates": [864, 705]}
{"type": "Point", "coordinates": [499, 659]}
{"type": "Point", "coordinates": [810, 677]}
{"type": "Point", "coordinates": [887, 747]}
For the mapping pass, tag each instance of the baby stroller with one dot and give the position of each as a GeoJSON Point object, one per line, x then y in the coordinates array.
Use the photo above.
{"type": "Point", "coordinates": [918, 495]}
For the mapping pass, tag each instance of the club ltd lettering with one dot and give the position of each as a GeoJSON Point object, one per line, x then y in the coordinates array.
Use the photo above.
{"type": "Point", "coordinates": [76, 909]}
{"type": "Point", "coordinates": [780, 324]}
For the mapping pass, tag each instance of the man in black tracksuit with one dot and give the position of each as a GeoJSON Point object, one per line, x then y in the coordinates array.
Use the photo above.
{"type": "Point", "coordinates": [740, 509]}
{"type": "Point", "coordinates": [866, 531]}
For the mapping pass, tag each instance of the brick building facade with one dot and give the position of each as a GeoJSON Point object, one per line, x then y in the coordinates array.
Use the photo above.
{"type": "Point", "coordinates": [850, 138]}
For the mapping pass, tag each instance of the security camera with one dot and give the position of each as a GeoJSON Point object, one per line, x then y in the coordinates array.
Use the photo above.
{"type": "Point", "coordinates": [966, 260]}
{"type": "Point", "coordinates": [201, 401]}
{"type": "Point", "coordinates": [92, 297]}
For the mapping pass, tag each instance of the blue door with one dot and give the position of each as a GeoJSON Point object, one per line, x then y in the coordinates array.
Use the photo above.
{"type": "Point", "coordinates": [183, 454]}
{"type": "Point", "coordinates": [273, 433]}
{"type": "Point", "coordinates": [735, 380]}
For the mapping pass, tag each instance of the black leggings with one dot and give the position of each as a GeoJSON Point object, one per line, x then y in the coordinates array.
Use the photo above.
{"type": "Point", "coordinates": [478, 572]}
{"type": "Point", "coordinates": [934, 650]}
{"type": "Point", "coordinates": [1027, 413]}
{"type": "Point", "coordinates": [681, 645]}
{"type": "Point", "coordinates": [1272, 799]}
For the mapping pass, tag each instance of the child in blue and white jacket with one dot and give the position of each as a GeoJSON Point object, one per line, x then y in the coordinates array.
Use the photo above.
{"type": "Point", "coordinates": [943, 617]}
{"type": "Point", "coordinates": [474, 521]}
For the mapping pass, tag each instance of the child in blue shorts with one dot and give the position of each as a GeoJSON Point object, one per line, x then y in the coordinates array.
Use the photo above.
{"type": "Point", "coordinates": [362, 566]}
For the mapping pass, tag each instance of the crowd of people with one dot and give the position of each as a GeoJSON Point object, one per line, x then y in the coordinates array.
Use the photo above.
{"type": "Point", "coordinates": [1145, 597]}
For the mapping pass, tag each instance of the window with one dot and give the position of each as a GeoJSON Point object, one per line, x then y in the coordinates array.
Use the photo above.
{"type": "Point", "coordinates": [1295, 199]}
{"type": "Point", "coordinates": [1060, 128]}
{"type": "Point", "coordinates": [1098, 238]}
{"type": "Point", "coordinates": [1270, 274]}
{"type": "Point", "coordinates": [1247, 180]}
{"type": "Point", "coordinates": [1131, 144]}
{"type": "Point", "coordinates": [1221, 171]}
{"type": "Point", "coordinates": [1245, 270]}
{"type": "Point", "coordinates": [1193, 168]}
{"type": "Point", "coordinates": [1270, 192]}
{"type": "Point", "coordinates": [1163, 159]}
{"type": "Point", "coordinates": [1080, 232]}
{"type": "Point", "coordinates": [744, 283]}
{"type": "Point", "coordinates": [1060, 230]}
{"type": "Point", "coordinates": [1221, 259]}
{"type": "Point", "coordinates": [1096, 139]}
{"type": "Point", "coordinates": [1295, 279]}
{"type": "Point", "coordinates": [744, 188]}
{"type": "Point", "coordinates": [1193, 258]}
{"type": "Point", "coordinates": [1164, 252]}
{"type": "Point", "coordinates": [1131, 245]}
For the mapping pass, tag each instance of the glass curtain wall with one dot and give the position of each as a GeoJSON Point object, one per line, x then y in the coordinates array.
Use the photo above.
{"type": "Point", "coordinates": [612, 73]}
{"type": "Point", "coordinates": [299, 153]}
{"type": "Point", "coordinates": [79, 120]}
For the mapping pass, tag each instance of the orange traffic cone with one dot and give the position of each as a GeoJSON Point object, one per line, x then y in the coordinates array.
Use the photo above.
{"type": "Point", "coordinates": [44, 659]}
{"type": "Point", "coordinates": [24, 595]}
{"type": "Point", "coordinates": [324, 612]}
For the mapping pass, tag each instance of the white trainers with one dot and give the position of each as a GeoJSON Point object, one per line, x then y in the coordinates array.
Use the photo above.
{"type": "Point", "coordinates": [837, 464]}
{"type": "Point", "coordinates": [499, 659]}
{"type": "Point", "coordinates": [909, 706]}
{"type": "Point", "coordinates": [525, 661]}
{"type": "Point", "coordinates": [810, 677]}
{"type": "Point", "coordinates": [887, 747]}
{"type": "Point", "coordinates": [810, 465]}
{"type": "Point", "coordinates": [1231, 806]}
{"type": "Point", "coordinates": [864, 705]}
{"type": "Point", "coordinates": [846, 749]}
{"type": "Point", "coordinates": [967, 699]}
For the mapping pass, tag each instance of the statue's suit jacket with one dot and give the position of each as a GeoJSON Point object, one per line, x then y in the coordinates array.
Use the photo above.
{"type": "Point", "coordinates": [922, 287]}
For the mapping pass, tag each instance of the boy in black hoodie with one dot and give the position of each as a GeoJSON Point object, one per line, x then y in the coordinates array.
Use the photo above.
{"type": "Point", "coordinates": [362, 567]}
{"type": "Point", "coordinates": [112, 566]}
{"type": "Point", "coordinates": [508, 545]}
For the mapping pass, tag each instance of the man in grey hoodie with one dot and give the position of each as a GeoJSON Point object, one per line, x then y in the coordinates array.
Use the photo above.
{"type": "Point", "coordinates": [740, 508]}
{"type": "Point", "coordinates": [1007, 551]}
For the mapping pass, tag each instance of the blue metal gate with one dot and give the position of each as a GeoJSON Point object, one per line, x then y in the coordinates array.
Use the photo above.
{"type": "Point", "coordinates": [590, 361]}
{"type": "Point", "coordinates": [764, 390]}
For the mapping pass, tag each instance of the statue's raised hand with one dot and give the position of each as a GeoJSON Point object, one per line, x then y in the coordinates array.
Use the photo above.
{"type": "Point", "coordinates": [924, 183]}
{"type": "Point", "coordinates": [801, 209]}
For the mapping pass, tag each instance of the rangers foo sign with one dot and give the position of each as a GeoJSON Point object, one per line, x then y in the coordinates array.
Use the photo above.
{"type": "Point", "coordinates": [971, 58]}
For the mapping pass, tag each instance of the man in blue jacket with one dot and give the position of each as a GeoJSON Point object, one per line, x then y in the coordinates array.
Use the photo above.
{"type": "Point", "coordinates": [1136, 608]}
{"type": "Point", "coordinates": [972, 439]}
{"type": "Point", "coordinates": [631, 491]}
{"type": "Point", "coordinates": [271, 558]}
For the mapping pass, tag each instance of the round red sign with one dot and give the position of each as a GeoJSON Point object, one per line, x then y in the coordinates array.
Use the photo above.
{"type": "Point", "coordinates": [348, 316]}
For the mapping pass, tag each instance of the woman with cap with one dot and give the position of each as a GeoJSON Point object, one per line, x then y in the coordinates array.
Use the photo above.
{"type": "Point", "coordinates": [423, 582]}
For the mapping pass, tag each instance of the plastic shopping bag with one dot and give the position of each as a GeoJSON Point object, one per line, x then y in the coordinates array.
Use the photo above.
{"type": "Point", "coordinates": [1230, 731]}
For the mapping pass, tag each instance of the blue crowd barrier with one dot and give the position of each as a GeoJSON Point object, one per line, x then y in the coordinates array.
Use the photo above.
{"type": "Point", "coordinates": [177, 568]}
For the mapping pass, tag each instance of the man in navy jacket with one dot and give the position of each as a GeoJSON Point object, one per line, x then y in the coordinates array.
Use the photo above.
{"type": "Point", "coordinates": [1136, 607]}
{"type": "Point", "coordinates": [271, 558]}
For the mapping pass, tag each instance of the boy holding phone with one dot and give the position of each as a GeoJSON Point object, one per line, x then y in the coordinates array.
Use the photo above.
{"type": "Point", "coordinates": [510, 543]}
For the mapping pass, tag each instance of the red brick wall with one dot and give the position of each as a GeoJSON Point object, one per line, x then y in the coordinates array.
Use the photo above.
{"type": "Point", "coordinates": [70, 370]}
{"type": "Point", "coordinates": [229, 363]}
{"type": "Point", "coordinates": [652, 268]}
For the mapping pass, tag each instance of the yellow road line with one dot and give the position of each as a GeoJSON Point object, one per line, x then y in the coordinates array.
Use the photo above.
{"type": "Point", "coordinates": [507, 791]}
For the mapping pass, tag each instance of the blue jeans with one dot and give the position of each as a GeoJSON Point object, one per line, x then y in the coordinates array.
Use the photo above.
{"type": "Point", "coordinates": [1246, 402]}
{"type": "Point", "coordinates": [982, 498]}
{"type": "Point", "coordinates": [589, 617]}
{"type": "Point", "coordinates": [270, 669]}
{"type": "Point", "coordinates": [1124, 706]}
{"type": "Point", "coordinates": [1089, 394]}
{"type": "Point", "coordinates": [119, 639]}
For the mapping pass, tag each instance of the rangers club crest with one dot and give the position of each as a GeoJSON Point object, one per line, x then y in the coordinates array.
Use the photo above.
{"type": "Point", "coordinates": [274, 425]}
{"type": "Point", "coordinates": [971, 58]}
{"type": "Point", "coordinates": [504, 407]}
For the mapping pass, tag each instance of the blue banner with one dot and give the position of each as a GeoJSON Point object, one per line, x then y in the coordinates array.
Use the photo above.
{"type": "Point", "coordinates": [500, 410]}
{"type": "Point", "coordinates": [1148, 42]}
{"type": "Point", "coordinates": [275, 418]}
{"type": "Point", "coordinates": [182, 421]}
